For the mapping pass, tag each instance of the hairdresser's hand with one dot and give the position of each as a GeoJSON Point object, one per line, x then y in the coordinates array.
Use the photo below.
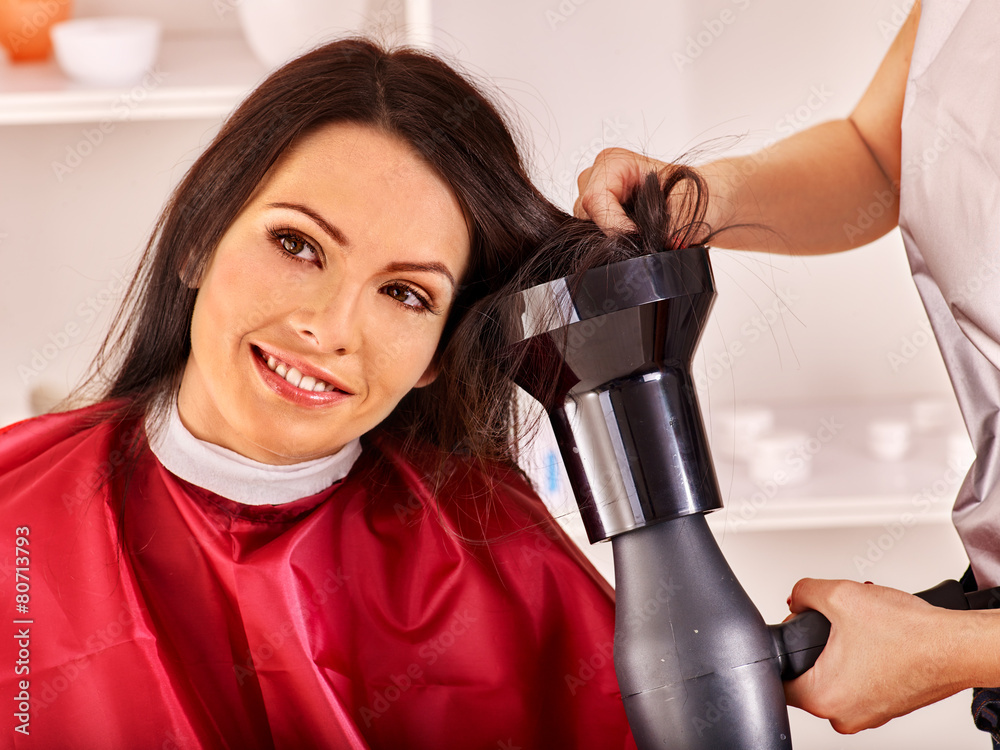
{"type": "Point", "coordinates": [615, 174]}
{"type": "Point", "coordinates": [889, 653]}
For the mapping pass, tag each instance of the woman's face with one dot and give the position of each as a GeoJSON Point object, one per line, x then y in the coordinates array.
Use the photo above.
{"type": "Point", "coordinates": [340, 270]}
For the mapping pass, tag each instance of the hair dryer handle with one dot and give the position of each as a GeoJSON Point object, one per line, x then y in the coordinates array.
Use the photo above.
{"type": "Point", "coordinates": [800, 640]}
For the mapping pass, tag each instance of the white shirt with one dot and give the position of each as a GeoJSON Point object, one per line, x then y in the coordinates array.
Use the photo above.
{"type": "Point", "coordinates": [950, 220]}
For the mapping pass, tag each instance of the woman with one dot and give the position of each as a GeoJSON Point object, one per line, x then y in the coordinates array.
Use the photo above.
{"type": "Point", "coordinates": [292, 516]}
{"type": "Point", "coordinates": [920, 150]}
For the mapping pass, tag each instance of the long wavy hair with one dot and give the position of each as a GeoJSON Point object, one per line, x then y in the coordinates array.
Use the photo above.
{"type": "Point", "coordinates": [517, 235]}
{"type": "Point", "coordinates": [667, 211]}
{"type": "Point", "coordinates": [404, 93]}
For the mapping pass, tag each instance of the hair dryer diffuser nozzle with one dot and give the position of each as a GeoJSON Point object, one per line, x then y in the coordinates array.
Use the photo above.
{"type": "Point", "coordinates": [608, 353]}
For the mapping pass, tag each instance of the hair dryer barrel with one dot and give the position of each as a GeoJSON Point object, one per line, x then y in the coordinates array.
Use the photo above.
{"type": "Point", "coordinates": [696, 664]}
{"type": "Point", "coordinates": [623, 406]}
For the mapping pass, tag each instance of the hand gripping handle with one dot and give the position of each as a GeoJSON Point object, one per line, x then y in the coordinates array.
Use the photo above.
{"type": "Point", "coordinates": [800, 640]}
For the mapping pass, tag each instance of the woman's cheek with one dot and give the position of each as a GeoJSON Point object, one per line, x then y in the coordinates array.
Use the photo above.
{"type": "Point", "coordinates": [259, 293]}
{"type": "Point", "coordinates": [405, 355]}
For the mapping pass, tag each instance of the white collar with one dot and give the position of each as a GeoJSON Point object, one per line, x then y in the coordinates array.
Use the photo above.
{"type": "Point", "coordinates": [237, 477]}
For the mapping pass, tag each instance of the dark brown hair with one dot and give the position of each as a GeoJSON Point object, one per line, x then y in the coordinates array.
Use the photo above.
{"type": "Point", "coordinates": [517, 236]}
{"type": "Point", "coordinates": [404, 93]}
{"type": "Point", "coordinates": [667, 210]}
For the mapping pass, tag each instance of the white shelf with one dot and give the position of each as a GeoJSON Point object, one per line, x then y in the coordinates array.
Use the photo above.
{"type": "Point", "coordinates": [196, 76]}
{"type": "Point", "coordinates": [848, 487]}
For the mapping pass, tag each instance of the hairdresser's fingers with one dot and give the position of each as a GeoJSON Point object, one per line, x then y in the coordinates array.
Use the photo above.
{"type": "Point", "coordinates": [604, 209]}
{"type": "Point", "coordinates": [809, 593]}
{"type": "Point", "coordinates": [889, 653]}
{"type": "Point", "coordinates": [605, 185]}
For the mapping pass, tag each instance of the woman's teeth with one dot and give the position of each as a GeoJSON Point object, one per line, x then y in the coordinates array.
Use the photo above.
{"type": "Point", "coordinates": [293, 376]}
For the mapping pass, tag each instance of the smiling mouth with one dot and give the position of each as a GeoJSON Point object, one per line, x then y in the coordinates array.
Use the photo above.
{"type": "Point", "coordinates": [294, 376]}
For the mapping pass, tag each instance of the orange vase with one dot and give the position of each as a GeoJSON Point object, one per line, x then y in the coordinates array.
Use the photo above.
{"type": "Point", "coordinates": [25, 24]}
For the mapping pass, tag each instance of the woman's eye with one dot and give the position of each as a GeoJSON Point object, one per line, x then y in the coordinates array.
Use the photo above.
{"type": "Point", "coordinates": [406, 295]}
{"type": "Point", "coordinates": [295, 245]}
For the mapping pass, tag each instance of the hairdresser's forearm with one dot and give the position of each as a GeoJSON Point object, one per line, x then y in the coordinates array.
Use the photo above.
{"type": "Point", "coordinates": [831, 187]}
{"type": "Point", "coordinates": [818, 191]}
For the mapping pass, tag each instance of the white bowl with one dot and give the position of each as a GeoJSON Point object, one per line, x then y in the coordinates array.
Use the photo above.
{"type": "Point", "coordinates": [737, 430]}
{"type": "Point", "coordinates": [110, 51]}
{"type": "Point", "coordinates": [278, 30]}
{"type": "Point", "coordinates": [781, 457]}
{"type": "Point", "coordinates": [889, 439]}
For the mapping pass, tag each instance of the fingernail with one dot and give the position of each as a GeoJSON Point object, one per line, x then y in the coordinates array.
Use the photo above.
{"type": "Point", "coordinates": [869, 582]}
{"type": "Point", "coordinates": [789, 601]}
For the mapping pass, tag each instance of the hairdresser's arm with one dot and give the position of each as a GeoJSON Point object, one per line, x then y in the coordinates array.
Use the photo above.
{"type": "Point", "coordinates": [889, 653]}
{"type": "Point", "coordinates": [826, 189]}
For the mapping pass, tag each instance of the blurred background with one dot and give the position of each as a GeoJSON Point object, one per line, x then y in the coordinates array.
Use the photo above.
{"type": "Point", "coordinates": [835, 432]}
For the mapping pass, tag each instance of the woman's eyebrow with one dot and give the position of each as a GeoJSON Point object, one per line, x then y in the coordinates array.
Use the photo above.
{"type": "Point", "coordinates": [433, 267]}
{"type": "Point", "coordinates": [327, 227]}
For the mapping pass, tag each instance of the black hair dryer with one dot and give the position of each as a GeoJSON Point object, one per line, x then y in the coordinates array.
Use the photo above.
{"type": "Point", "coordinates": [609, 357]}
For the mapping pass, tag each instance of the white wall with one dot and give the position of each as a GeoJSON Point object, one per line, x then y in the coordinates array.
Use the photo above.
{"type": "Point", "coordinates": [721, 76]}
{"type": "Point", "coordinates": [67, 245]}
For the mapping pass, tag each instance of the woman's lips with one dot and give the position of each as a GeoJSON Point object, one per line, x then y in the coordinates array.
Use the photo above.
{"type": "Point", "coordinates": [288, 379]}
{"type": "Point", "coordinates": [295, 371]}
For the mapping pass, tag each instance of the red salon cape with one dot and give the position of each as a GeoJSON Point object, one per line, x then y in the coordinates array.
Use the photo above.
{"type": "Point", "coordinates": [355, 618]}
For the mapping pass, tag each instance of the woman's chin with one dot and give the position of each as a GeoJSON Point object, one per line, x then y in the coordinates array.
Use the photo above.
{"type": "Point", "coordinates": [271, 448]}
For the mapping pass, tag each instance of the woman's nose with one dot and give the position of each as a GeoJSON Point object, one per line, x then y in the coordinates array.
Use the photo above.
{"type": "Point", "coordinates": [330, 317]}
